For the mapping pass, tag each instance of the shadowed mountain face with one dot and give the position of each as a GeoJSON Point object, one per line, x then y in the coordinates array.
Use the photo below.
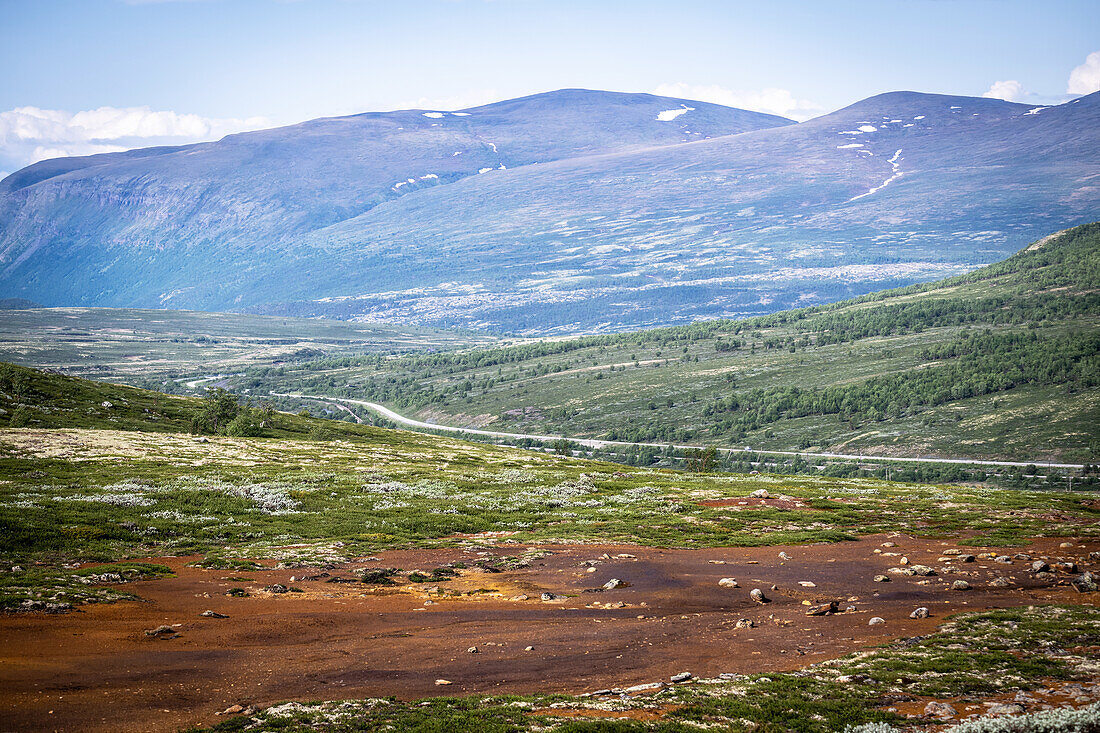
{"type": "Point", "coordinates": [567, 211]}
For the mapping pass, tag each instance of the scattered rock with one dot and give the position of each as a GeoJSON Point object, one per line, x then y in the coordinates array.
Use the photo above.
{"type": "Point", "coordinates": [1005, 708]}
{"type": "Point", "coordinates": [213, 614]}
{"type": "Point", "coordinates": [921, 612]}
{"type": "Point", "coordinates": [728, 583]}
{"type": "Point", "coordinates": [232, 710]}
{"type": "Point", "coordinates": [1003, 559]}
{"type": "Point", "coordinates": [745, 623]}
{"type": "Point", "coordinates": [613, 584]}
{"type": "Point", "coordinates": [822, 609]}
{"type": "Point", "coordinates": [1000, 582]}
{"type": "Point", "coordinates": [952, 552]}
{"type": "Point", "coordinates": [277, 588]}
{"type": "Point", "coordinates": [681, 677]}
{"type": "Point", "coordinates": [966, 558]}
{"type": "Point", "coordinates": [1022, 557]}
{"type": "Point", "coordinates": [162, 632]}
{"type": "Point", "coordinates": [889, 544]}
{"type": "Point", "coordinates": [807, 584]}
{"type": "Point", "coordinates": [528, 648]}
{"type": "Point", "coordinates": [758, 595]}
{"type": "Point", "coordinates": [1085, 583]}
{"type": "Point", "coordinates": [876, 620]}
{"type": "Point", "coordinates": [760, 494]}
{"type": "Point", "coordinates": [472, 650]}
{"type": "Point", "coordinates": [784, 556]}
{"type": "Point", "coordinates": [922, 570]}
{"type": "Point", "coordinates": [960, 585]}
{"type": "Point", "coordinates": [1066, 545]}
{"type": "Point", "coordinates": [1039, 567]}
{"type": "Point", "coordinates": [549, 597]}
{"type": "Point", "coordinates": [939, 710]}
{"type": "Point", "coordinates": [202, 440]}
{"type": "Point", "coordinates": [882, 578]}
{"type": "Point", "coordinates": [1066, 567]}
{"type": "Point", "coordinates": [442, 682]}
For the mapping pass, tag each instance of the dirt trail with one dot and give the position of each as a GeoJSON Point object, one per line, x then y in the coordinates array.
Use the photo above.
{"type": "Point", "coordinates": [98, 670]}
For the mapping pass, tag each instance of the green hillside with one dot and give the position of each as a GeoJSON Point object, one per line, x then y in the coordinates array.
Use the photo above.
{"type": "Point", "coordinates": [1003, 362]}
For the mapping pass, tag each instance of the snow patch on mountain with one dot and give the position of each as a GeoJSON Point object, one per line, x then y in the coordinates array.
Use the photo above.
{"type": "Point", "coordinates": [670, 114]}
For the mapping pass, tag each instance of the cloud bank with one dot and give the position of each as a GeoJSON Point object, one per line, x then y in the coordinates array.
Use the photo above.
{"type": "Point", "coordinates": [771, 100]}
{"type": "Point", "coordinates": [1085, 79]}
{"type": "Point", "coordinates": [30, 134]}
{"type": "Point", "coordinates": [1009, 91]}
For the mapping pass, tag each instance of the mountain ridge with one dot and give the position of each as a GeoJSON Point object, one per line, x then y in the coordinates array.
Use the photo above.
{"type": "Point", "coordinates": [527, 221]}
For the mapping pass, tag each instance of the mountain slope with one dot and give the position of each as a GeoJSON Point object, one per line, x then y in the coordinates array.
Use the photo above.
{"type": "Point", "coordinates": [998, 363]}
{"type": "Point", "coordinates": [610, 212]}
{"type": "Point", "coordinates": [131, 228]}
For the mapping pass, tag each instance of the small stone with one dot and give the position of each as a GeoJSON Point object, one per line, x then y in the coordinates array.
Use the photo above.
{"type": "Point", "coordinates": [548, 596]}
{"type": "Point", "coordinates": [1066, 545]}
{"type": "Point", "coordinates": [528, 648]}
{"type": "Point", "coordinates": [745, 623]}
{"type": "Point", "coordinates": [822, 609]}
{"type": "Point", "coordinates": [882, 578]}
{"type": "Point", "coordinates": [728, 583]}
{"type": "Point", "coordinates": [472, 650]}
{"type": "Point", "coordinates": [760, 494]}
{"type": "Point", "coordinates": [160, 631]}
{"type": "Point", "coordinates": [921, 612]}
{"type": "Point", "coordinates": [232, 710]}
{"type": "Point", "coordinates": [922, 570]}
{"type": "Point", "coordinates": [1021, 557]}
{"type": "Point", "coordinates": [807, 584]}
{"type": "Point", "coordinates": [876, 621]}
{"type": "Point", "coordinates": [758, 595]}
{"type": "Point", "coordinates": [1003, 559]}
{"type": "Point", "coordinates": [952, 552]}
{"type": "Point", "coordinates": [960, 585]}
{"type": "Point", "coordinates": [1005, 708]}
{"type": "Point", "coordinates": [1000, 582]}
{"type": "Point", "coordinates": [784, 556]}
{"type": "Point", "coordinates": [213, 614]}
{"type": "Point", "coordinates": [939, 710]}
{"type": "Point", "coordinates": [1039, 567]}
{"type": "Point", "coordinates": [889, 544]}
{"type": "Point", "coordinates": [442, 682]}
{"type": "Point", "coordinates": [966, 558]}
{"type": "Point", "coordinates": [277, 588]}
{"type": "Point", "coordinates": [613, 584]}
{"type": "Point", "coordinates": [681, 677]}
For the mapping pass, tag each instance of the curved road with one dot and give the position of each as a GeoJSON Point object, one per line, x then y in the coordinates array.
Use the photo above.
{"type": "Point", "coordinates": [594, 443]}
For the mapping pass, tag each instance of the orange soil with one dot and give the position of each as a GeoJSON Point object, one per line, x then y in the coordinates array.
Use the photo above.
{"type": "Point", "coordinates": [96, 669]}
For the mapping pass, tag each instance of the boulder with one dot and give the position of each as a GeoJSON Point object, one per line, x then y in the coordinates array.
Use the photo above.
{"type": "Point", "coordinates": [728, 583]}
{"type": "Point", "coordinates": [681, 677]}
{"type": "Point", "coordinates": [876, 621]}
{"type": "Point", "coordinates": [960, 585]}
{"type": "Point", "coordinates": [613, 584]}
{"type": "Point", "coordinates": [758, 595]}
{"type": "Point", "coordinates": [882, 578]}
{"type": "Point", "coordinates": [921, 612]}
{"type": "Point", "coordinates": [939, 710]}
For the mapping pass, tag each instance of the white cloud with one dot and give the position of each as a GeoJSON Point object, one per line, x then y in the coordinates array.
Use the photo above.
{"type": "Point", "coordinates": [1085, 79]}
{"type": "Point", "coordinates": [30, 134]}
{"type": "Point", "coordinates": [773, 101]}
{"type": "Point", "coordinates": [1010, 91]}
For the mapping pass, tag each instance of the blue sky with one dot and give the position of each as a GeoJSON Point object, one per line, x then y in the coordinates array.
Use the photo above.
{"type": "Point", "coordinates": [92, 75]}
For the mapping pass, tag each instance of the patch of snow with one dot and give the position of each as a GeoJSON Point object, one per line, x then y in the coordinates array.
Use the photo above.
{"type": "Point", "coordinates": [850, 132]}
{"type": "Point", "coordinates": [460, 114]}
{"type": "Point", "coordinates": [868, 128]}
{"type": "Point", "coordinates": [895, 165]}
{"type": "Point", "coordinates": [919, 117]}
{"type": "Point", "coordinates": [670, 114]}
{"type": "Point", "coordinates": [1034, 111]}
{"type": "Point", "coordinates": [493, 146]}
{"type": "Point", "coordinates": [895, 120]}
{"type": "Point", "coordinates": [953, 107]}
{"type": "Point", "coordinates": [433, 115]}
{"type": "Point", "coordinates": [909, 125]}
{"type": "Point", "coordinates": [849, 145]}
{"type": "Point", "coordinates": [484, 170]}
{"type": "Point", "coordinates": [427, 176]}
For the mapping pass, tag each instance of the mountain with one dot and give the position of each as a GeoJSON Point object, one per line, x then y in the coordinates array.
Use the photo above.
{"type": "Point", "coordinates": [562, 212]}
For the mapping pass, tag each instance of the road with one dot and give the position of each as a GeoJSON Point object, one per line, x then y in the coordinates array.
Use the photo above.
{"type": "Point", "coordinates": [594, 443]}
